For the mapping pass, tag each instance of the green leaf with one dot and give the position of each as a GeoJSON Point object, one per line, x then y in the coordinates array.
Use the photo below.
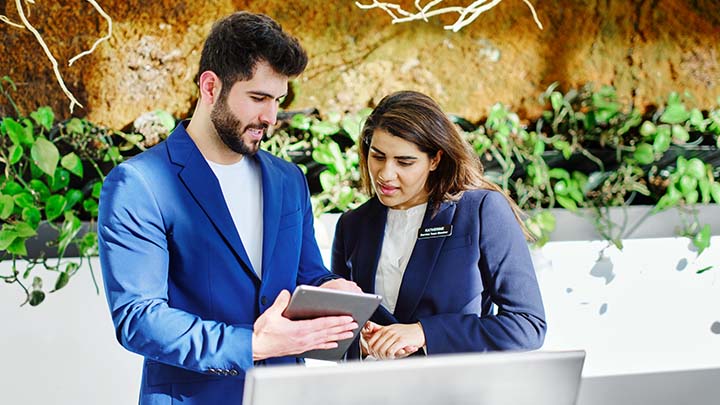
{"type": "Point", "coordinates": [75, 126]}
{"type": "Point", "coordinates": [322, 129]}
{"type": "Point", "coordinates": [91, 206]}
{"type": "Point", "coordinates": [352, 125]}
{"type": "Point", "coordinates": [7, 205]}
{"type": "Point", "coordinates": [679, 135]}
{"type": "Point", "coordinates": [45, 155]}
{"type": "Point", "coordinates": [703, 270]}
{"type": "Point", "coordinates": [567, 203]}
{"type": "Point", "coordinates": [42, 191]}
{"type": "Point", "coordinates": [60, 180]}
{"type": "Point", "coordinates": [715, 192]}
{"type": "Point", "coordinates": [300, 122]}
{"type": "Point", "coordinates": [688, 184]}
{"type": "Point", "coordinates": [61, 281]}
{"type": "Point", "coordinates": [17, 247]}
{"type": "Point", "coordinates": [702, 239]}
{"type": "Point", "coordinates": [44, 117]}
{"type": "Point", "coordinates": [696, 120]}
{"type": "Point", "coordinates": [72, 162]}
{"type": "Point", "coordinates": [55, 206]}
{"type": "Point", "coordinates": [327, 180]}
{"type": "Point", "coordinates": [558, 173]}
{"type": "Point", "coordinates": [12, 188]}
{"type": "Point", "coordinates": [675, 114]}
{"type": "Point", "coordinates": [648, 129]}
{"type": "Point", "coordinates": [73, 196]}
{"type": "Point", "coordinates": [97, 188]}
{"type": "Point", "coordinates": [32, 216]}
{"type": "Point", "coordinates": [36, 297]}
{"type": "Point", "coordinates": [7, 237]}
{"type": "Point", "coordinates": [166, 119]}
{"type": "Point", "coordinates": [556, 100]}
{"type": "Point", "coordinates": [16, 153]}
{"type": "Point", "coordinates": [704, 186]}
{"type": "Point", "coordinates": [24, 230]}
{"type": "Point", "coordinates": [644, 154]}
{"type": "Point", "coordinates": [696, 168]}
{"type": "Point", "coordinates": [16, 132]}
{"type": "Point", "coordinates": [69, 229]}
{"type": "Point", "coordinates": [24, 200]}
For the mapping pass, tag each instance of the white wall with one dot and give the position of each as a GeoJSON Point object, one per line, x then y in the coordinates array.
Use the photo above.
{"type": "Point", "coordinates": [64, 350]}
{"type": "Point", "coordinates": [656, 318]}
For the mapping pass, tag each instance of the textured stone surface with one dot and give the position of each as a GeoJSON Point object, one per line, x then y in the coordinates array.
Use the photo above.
{"type": "Point", "coordinates": [644, 48]}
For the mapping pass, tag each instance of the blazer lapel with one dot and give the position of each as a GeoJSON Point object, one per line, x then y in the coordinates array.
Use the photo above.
{"type": "Point", "coordinates": [422, 263]}
{"type": "Point", "coordinates": [369, 245]}
{"type": "Point", "coordinates": [272, 185]}
{"type": "Point", "coordinates": [201, 182]}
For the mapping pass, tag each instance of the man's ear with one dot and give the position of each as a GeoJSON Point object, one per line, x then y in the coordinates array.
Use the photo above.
{"type": "Point", "coordinates": [435, 160]}
{"type": "Point", "coordinates": [210, 87]}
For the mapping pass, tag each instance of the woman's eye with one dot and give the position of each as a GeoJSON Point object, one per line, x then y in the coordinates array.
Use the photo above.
{"type": "Point", "coordinates": [378, 157]}
{"type": "Point", "coordinates": [401, 163]}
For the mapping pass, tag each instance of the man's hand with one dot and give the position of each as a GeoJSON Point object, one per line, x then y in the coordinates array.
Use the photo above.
{"type": "Point", "coordinates": [275, 335]}
{"type": "Point", "coordinates": [342, 285]}
{"type": "Point", "coordinates": [393, 341]}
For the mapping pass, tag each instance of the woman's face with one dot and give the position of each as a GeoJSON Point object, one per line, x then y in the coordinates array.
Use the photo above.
{"type": "Point", "coordinates": [399, 170]}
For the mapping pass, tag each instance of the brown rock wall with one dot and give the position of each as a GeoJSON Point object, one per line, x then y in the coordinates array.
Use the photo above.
{"type": "Point", "coordinates": [644, 48]}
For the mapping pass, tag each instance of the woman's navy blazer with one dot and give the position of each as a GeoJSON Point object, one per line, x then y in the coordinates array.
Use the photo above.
{"type": "Point", "coordinates": [472, 291]}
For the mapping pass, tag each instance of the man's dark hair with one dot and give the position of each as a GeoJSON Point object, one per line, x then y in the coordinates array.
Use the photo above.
{"type": "Point", "coordinates": [239, 41]}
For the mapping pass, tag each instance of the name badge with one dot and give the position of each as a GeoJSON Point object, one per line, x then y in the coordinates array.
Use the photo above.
{"type": "Point", "coordinates": [435, 232]}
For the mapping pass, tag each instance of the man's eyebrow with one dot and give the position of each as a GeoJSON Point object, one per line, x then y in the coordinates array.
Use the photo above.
{"type": "Point", "coordinates": [264, 94]}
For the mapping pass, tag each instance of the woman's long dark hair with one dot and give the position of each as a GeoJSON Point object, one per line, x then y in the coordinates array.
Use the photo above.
{"type": "Point", "coordinates": [418, 119]}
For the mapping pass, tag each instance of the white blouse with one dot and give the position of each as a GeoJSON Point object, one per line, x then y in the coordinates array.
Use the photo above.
{"type": "Point", "coordinates": [401, 230]}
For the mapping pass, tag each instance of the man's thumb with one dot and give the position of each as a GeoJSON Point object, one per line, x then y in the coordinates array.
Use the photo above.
{"type": "Point", "coordinates": [281, 302]}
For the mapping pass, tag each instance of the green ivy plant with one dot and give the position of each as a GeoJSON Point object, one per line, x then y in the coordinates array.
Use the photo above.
{"type": "Point", "coordinates": [50, 175]}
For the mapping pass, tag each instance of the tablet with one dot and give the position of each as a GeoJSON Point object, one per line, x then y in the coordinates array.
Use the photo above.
{"type": "Point", "coordinates": [308, 302]}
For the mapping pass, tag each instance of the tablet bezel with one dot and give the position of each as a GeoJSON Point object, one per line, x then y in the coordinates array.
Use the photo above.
{"type": "Point", "coordinates": [309, 302]}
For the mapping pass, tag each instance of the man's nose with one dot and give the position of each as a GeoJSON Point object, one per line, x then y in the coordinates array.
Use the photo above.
{"type": "Point", "coordinates": [268, 115]}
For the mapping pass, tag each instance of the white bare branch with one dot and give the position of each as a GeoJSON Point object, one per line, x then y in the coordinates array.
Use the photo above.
{"type": "Point", "coordinates": [466, 15]}
{"type": "Point", "coordinates": [58, 76]}
{"type": "Point", "coordinates": [26, 25]}
{"type": "Point", "coordinates": [100, 40]}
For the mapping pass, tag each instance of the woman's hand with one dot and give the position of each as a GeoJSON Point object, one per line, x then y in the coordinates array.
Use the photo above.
{"type": "Point", "coordinates": [393, 341]}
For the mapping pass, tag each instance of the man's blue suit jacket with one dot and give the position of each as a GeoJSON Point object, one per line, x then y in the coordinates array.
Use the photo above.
{"type": "Point", "coordinates": [453, 285]}
{"type": "Point", "coordinates": [181, 289]}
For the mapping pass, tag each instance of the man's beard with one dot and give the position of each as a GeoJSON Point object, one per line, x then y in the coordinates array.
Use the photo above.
{"type": "Point", "coordinates": [230, 129]}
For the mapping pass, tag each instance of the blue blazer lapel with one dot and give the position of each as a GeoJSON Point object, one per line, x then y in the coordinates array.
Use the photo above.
{"type": "Point", "coordinates": [201, 182]}
{"type": "Point", "coordinates": [369, 246]}
{"type": "Point", "coordinates": [272, 184]}
{"type": "Point", "coordinates": [422, 263]}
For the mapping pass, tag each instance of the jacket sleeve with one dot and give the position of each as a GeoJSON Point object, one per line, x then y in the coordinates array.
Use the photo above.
{"type": "Point", "coordinates": [135, 263]}
{"type": "Point", "coordinates": [338, 264]}
{"type": "Point", "coordinates": [509, 278]}
{"type": "Point", "coordinates": [312, 271]}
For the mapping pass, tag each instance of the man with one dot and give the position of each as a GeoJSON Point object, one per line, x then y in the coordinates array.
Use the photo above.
{"type": "Point", "coordinates": [200, 234]}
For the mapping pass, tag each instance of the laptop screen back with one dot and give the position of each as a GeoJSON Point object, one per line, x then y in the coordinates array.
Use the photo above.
{"type": "Point", "coordinates": [501, 378]}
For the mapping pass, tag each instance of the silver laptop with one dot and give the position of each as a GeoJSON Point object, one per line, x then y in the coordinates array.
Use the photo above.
{"type": "Point", "coordinates": [501, 378]}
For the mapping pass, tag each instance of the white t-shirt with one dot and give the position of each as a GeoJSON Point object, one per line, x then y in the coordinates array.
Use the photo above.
{"type": "Point", "coordinates": [401, 230]}
{"type": "Point", "coordinates": [241, 185]}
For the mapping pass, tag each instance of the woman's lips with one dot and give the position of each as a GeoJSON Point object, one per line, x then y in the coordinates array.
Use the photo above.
{"type": "Point", "coordinates": [386, 189]}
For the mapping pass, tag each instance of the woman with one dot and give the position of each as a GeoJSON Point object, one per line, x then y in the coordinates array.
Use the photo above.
{"type": "Point", "coordinates": [445, 247]}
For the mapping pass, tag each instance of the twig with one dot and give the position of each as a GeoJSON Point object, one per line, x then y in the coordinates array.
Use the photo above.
{"type": "Point", "coordinates": [105, 38]}
{"type": "Point", "coordinates": [58, 76]}
{"type": "Point", "coordinates": [466, 14]}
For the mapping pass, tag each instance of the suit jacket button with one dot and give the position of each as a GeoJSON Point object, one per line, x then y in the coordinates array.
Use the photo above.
{"type": "Point", "coordinates": [263, 300]}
